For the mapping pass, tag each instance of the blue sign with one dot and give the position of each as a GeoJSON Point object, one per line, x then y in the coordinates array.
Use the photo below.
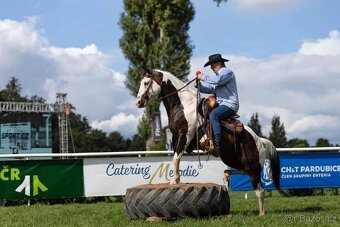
{"type": "Point", "coordinates": [307, 170]}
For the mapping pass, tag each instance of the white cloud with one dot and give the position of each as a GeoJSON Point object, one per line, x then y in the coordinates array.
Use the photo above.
{"type": "Point", "coordinates": [96, 90]}
{"type": "Point", "coordinates": [122, 122]}
{"type": "Point", "coordinates": [329, 46]}
{"type": "Point", "coordinates": [292, 86]}
{"type": "Point", "coordinates": [267, 5]}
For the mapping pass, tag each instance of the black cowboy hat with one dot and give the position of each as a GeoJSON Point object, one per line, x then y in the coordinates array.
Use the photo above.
{"type": "Point", "coordinates": [214, 59]}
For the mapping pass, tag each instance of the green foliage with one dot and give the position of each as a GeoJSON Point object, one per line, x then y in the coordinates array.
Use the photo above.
{"type": "Point", "coordinates": [255, 125]}
{"type": "Point", "coordinates": [322, 142]}
{"type": "Point", "coordinates": [36, 98]}
{"type": "Point", "coordinates": [116, 142]}
{"type": "Point", "coordinates": [278, 133]}
{"type": "Point", "coordinates": [136, 144]}
{"type": "Point", "coordinates": [12, 92]}
{"type": "Point", "coordinates": [155, 35]}
{"type": "Point", "coordinates": [296, 142]}
{"type": "Point", "coordinates": [97, 141]}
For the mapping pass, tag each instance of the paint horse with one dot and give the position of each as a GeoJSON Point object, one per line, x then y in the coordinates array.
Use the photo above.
{"type": "Point", "coordinates": [180, 107]}
{"type": "Point", "coordinates": [246, 152]}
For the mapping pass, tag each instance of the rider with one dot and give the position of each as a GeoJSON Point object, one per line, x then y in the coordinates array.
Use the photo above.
{"type": "Point", "coordinates": [223, 85]}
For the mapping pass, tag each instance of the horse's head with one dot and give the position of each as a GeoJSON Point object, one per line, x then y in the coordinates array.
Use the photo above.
{"type": "Point", "coordinates": [149, 87]}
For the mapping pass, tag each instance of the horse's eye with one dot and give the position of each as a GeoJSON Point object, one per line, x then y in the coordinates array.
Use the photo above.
{"type": "Point", "coordinates": [146, 83]}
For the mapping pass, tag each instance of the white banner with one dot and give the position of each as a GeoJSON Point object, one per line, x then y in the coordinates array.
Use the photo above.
{"type": "Point", "coordinates": [112, 176]}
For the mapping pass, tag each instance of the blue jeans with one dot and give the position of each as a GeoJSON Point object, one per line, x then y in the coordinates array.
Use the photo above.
{"type": "Point", "coordinates": [219, 113]}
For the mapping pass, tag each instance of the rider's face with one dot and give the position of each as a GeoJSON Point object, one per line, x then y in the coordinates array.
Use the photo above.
{"type": "Point", "coordinates": [215, 67]}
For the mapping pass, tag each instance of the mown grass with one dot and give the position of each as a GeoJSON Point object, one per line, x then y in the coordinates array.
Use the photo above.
{"type": "Point", "coordinates": [280, 211]}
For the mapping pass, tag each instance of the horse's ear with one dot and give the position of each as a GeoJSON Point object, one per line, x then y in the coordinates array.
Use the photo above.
{"type": "Point", "coordinates": [146, 71]}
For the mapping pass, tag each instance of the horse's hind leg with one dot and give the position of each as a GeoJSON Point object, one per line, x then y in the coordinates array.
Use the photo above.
{"type": "Point", "coordinates": [259, 191]}
{"type": "Point", "coordinates": [260, 196]}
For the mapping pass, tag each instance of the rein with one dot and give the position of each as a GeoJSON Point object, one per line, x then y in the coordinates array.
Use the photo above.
{"type": "Point", "coordinates": [174, 92]}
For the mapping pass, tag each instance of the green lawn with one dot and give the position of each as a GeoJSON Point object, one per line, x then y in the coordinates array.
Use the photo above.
{"type": "Point", "coordinates": [280, 211]}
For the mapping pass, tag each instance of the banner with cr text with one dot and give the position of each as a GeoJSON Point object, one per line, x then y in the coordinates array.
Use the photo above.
{"type": "Point", "coordinates": [112, 176]}
{"type": "Point", "coordinates": [304, 170]}
{"type": "Point", "coordinates": [41, 179]}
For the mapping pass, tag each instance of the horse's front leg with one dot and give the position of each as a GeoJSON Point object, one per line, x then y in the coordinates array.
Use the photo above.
{"type": "Point", "coordinates": [178, 149]}
{"type": "Point", "coordinates": [176, 160]}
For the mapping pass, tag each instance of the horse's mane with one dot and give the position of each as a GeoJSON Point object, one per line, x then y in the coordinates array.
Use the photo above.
{"type": "Point", "coordinates": [175, 81]}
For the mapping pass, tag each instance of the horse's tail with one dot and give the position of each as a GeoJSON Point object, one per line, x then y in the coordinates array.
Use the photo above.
{"type": "Point", "coordinates": [275, 167]}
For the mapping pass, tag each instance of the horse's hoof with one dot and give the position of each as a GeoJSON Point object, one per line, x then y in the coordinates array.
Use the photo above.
{"type": "Point", "coordinates": [261, 214]}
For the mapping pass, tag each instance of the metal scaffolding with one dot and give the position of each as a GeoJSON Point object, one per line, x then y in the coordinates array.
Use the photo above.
{"type": "Point", "coordinates": [59, 107]}
{"type": "Point", "coordinates": [62, 122]}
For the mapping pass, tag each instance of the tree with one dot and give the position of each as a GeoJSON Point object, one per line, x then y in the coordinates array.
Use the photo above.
{"type": "Point", "coordinates": [155, 35]}
{"type": "Point", "coordinates": [278, 133]}
{"type": "Point", "coordinates": [322, 142]}
{"type": "Point", "coordinates": [38, 99]}
{"type": "Point", "coordinates": [12, 91]}
{"type": "Point", "coordinates": [296, 142]}
{"type": "Point", "coordinates": [255, 125]}
{"type": "Point", "coordinates": [97, 141]}
{"type": "Point", "coordinates": [116, 141]}
{"type": "Point", "coordinates": [136, 144]}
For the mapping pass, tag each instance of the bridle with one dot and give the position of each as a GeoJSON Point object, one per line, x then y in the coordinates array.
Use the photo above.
{"type": "Point", "coordinates": [145, 96]}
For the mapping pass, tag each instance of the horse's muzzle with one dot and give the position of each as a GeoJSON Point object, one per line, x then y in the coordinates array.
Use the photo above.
{"type": "Point", "coordinates": [142, 102]}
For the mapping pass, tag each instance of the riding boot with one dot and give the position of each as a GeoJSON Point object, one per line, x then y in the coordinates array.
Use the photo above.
{"type": "Point", "coordinates": [217, 148]}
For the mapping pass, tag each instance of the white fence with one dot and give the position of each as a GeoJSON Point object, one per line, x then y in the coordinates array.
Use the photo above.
{"type": "Point", "coordinates": [140, 153]}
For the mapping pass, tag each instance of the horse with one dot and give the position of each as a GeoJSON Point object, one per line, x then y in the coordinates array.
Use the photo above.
{"type": "Point", "coordinates": [180, 107]}
{"type": "Point", "coordinates": [246, 152]}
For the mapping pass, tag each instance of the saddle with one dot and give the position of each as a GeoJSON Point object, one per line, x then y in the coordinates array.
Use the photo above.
{"type": "Point", "coordinates": [231, 125]}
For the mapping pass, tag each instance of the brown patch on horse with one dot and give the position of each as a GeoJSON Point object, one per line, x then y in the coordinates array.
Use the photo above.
{"type": "Point", "coordinates": [153, 74]}
{"type": "Point", "coordinates": [157, 77]}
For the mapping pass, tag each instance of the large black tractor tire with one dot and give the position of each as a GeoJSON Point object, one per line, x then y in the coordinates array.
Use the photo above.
{"type": "Point", "coordinates": [174, 201]}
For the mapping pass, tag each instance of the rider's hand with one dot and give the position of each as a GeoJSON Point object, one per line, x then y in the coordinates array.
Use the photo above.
{"type": "Point", "coordinates": [199, 75]}
{"type": "Point", "coordinates": [196, 83]}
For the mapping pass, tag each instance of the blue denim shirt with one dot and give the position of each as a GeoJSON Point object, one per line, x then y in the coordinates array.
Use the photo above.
{"type": "Point", "coordinates": [223, 84]}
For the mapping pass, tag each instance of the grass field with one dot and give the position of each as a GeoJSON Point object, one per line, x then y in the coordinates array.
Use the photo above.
{"type": "Point", "coordinates": [280, 211]}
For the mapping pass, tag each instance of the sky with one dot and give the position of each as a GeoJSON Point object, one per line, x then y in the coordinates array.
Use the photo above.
{"type": "Point", "coordinates": [285, 55]}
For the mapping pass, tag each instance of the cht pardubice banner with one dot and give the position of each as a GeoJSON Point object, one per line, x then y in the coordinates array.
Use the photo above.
{"type": "Point", "coordinates": [44, 179]}
{"type": "Point", "coordinates": [307, 170]}
{"type": "Point", "coordinates": [112, 176]}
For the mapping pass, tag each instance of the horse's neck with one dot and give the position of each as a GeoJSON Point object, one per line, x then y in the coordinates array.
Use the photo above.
{"type": "Point", "coordinates": [174, 80]}
{"type": "Point", "coordinates": [184, 98]}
